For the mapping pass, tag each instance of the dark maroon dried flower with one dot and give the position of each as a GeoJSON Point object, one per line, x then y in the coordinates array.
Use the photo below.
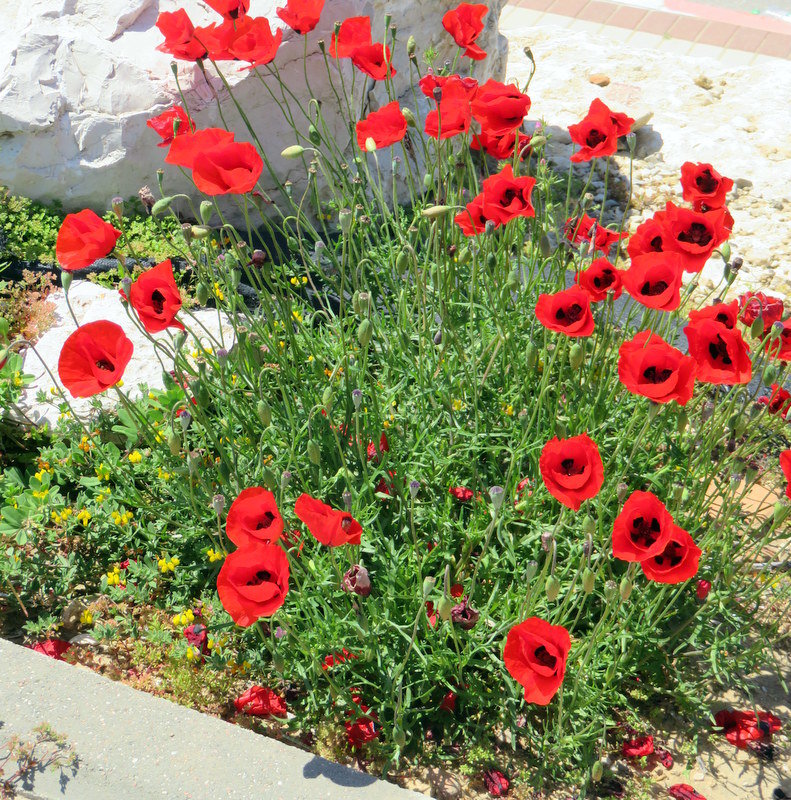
{"type": "Point", "coordinates": [665, 757]}
{"type": "Point", "coordinates": [464, 616]}
{"type": "Point", "coordinates": [496, 783]}
{"type": "Point", "coordinates": [357, 580]}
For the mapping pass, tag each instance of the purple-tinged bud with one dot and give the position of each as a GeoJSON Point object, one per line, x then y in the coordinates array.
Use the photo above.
{"type": "Point", "coordinates": [414, 488]}
{"type": "Point", "coordinates": [218, 503]}
{"type": "Point", "coordinates": [357, 399]}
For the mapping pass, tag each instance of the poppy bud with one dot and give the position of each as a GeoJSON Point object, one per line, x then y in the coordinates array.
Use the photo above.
{"type": "Point", "coordinates": [264, 412]}
{"type": "Point", "coordinates": [270, 479]}
{"type": "Point", "coordinates": [126, 285]}
{"type": "Point", "coordinates": [512, 283]}
{"type": "Point", "coordinates": [365, 332]}
{"type": "Point", "coordinates": [532, 355]}
{"type": "Point", "coordinates": [174, 444]}
{"type": "Point", "coordinates": [435, 212]}
{"type": "Point", "coordinates": [552, 588]}
{"type": "Point", "coordinates": [546, 540]}
{"type": "Point", "coordinates": [294, 151]}
{"type": "Point", "coordinates": [409, 117]}
{"type": "Point", "coordinates": [428, 586]}
{"type": "Point", "coordinates": [497, 495]}
{"type": "Point", "coordinates": [703, 589]}
{"type": "Point", "coordinates": [464, 616]}
{"type": "Point", "coordinates": [445, 608]}
{"type": "Point", "coordinates": [161, 205]}
{"type": "Point", "coordinates": [345, 220]}
{"type": "Point", "coordinates": [202, 294]}
{"type": "Point", "coordinates": [530, 570]}
{"type": "Point", "coordinates": [399, 737]}
{"type": "Point", "coordinates": [678, 492]}
{"type": "Point", "coordinates": [770, 375]}
{"type": "Point", "coordinates": [401, 261]}
{"type": "Point", "coordinates": [363, 304]}
{"type": "Point", "coordinates": [438, 337]}
{"type": "Point", "coordinates": [347, 495]}
{"type": "Point", "coordinates": [625, 588]}
{"type": "Point", "coordinates": [545, 246]}
{"type": "Point", "coordinates": [357, 581]}
{"type": "Point", "coordinates": [206, 211]}
{"type": "Point", "coordinates": [414, 488]}
{"type": "Point", "coordinates": [757, 328]}
{"type": "Point", "coordinates": [489, 227]}
{"type": "Point", "coordinates": [185, 418]}
{"type": "Point", "coordinates": [218, 503]}
{"type": "Point", "coordinates": [588, 525]}
{"type": "Point", "coordinates": [285, 480]}
{"type": "Point", "coordinates": [576, 356]}
{"type": "Point", "coordinates": [326, 397]}
{"type": "Point", "coordinates": [194, 463]}
{"type": "Point", "coordinates": [293, 244]}
{"type": "Point", "coordinates": [588, 580]}
{"type": "Point", "coordinates": [370, 145]}
{"type": "Point", "coordinates": [560, 429]}
{"type": "Point", "coordinates": [622, 491]}
{"type": "Point", "coordinates": [314, 452]}
{"type": "Point", "coordinates": [314, 135]}
{"type": "Point", "coordinates": [682, 421]}
{"type": "Point", "coordinates": [200, 232]}
{"type": "Point", "coordinates": [610, 589]}
{"type": "Point", "coordinates": [597, 770]}
{"type": "Point", "coordinates": [357, 399]}
{"type": "Point", "coordinates": [411, 46]}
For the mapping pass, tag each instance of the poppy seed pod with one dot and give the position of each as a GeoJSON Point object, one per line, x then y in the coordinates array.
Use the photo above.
{"type": "Point", "coordinates": [445, 608]}
{"type": "Point", "coordinates": [357, 581]}
{"type": "Point", "coordinates": [588, 525]}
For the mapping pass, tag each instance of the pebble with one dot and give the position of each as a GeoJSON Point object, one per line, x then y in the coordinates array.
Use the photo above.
{"type": "Point", "coordinates": [599, 79]}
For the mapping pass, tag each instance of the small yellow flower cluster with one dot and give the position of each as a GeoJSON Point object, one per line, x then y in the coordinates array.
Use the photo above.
{"type": "Point", "coordinates": [213, 643]}
{"type": "Point", "coordinates": [122, 519]}
{"type": "Point", "coordinates": [162, 475]}
{"type": "Point", "coordinates": [103, 495]}
{"type": "Point", "coordinates": [297, 316]}
{"type": "Point", "coordinates": [135, 457]}
{"type": "Point", "coordinates": [84, 516]}
{"type": "Point", "coordinates": [297, 281]}
{"type": "Point", "coordinates": [168, 564]}
{"type": "Point", "coordinates": [214, 555]}
{"type": "Point", "coordinates": [114, 577]}
{"type": "Point", "coordinates": [507, 409]}
{"type": "Point", "coordinates": [457, 405]}
{"type": "Point", "coordinates": [218, 292]}
{"type": "Point", "coordinates": [184, 619]}
{"type": "Point", "coordinates": [17, 379]}
{"type": "Point", "coordinates": [235, 668]}
{"type": "Point", "coordinates": [86, 618]}
{"type": "Point", "coordinates": [62, 516]}
{"type": "Point", "coordinates": [39, 476]}
{"type": "Point", "coordinates": [85, 444]}
{"type": "Point", "coordinates": [41, 495]}
{"type": "Point", "coordinates": [102, 472]}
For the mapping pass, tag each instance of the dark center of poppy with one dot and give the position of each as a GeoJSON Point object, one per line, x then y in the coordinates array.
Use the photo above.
{"type": "Point", "coordinates": [266, 520]}
{"type": "Point", "coordinates": [671, 557]}
{"type": "Point", "coordinates": [346, 523]}
{"type": "Point", "coordinates": [645, 531]}
{"type": "Point", "coordinates": [262, 576]}
{"type": "Point", "coordinates": [158, 301]}
{"type": "Point", "coordinates": [723, 318]}
{"type": "Point", "coordinates": [106, 365]}
{"type": "Point", "coordinates": [508, 196]}
{"type": "Point", "coordinates": [544, 657]}
{"type": "Point", "coordinates": [656, 244]}
{"type": "Point", "coordinates": [706, 182]}
{"type": "Point", "coordinates": [569, 466]}
{"type": "Point", "coordinates": [654, 375]}
{"type": "Point", "coordinates": [595, 138]}
{"type": "Point", "coordinates": [697, 233]}
{"type": "Point", "coordinates": [718, 350]}
{"type": "Point", "coordinates": [570, 314]}
{"type": "Point", "coordinates": [649, 289]}
{"type": "Point", "coordinates": [604, 279]}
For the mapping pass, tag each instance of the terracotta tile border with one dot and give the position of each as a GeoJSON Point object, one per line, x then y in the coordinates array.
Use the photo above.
{"type": "Point", "coordinates": [698, 25]}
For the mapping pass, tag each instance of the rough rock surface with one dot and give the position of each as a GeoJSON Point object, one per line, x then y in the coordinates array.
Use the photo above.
{"type": "Point", "coordinates": [80, 78]}
{"type": "Point", "coordinates": [734, 118]}
{"type": "Point", "coordinates": [91, 302]}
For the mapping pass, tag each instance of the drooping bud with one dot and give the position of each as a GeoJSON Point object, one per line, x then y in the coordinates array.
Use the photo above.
{"type": "Point", "coordinates": [264, 412]}
{"type": "Point", "coordinates": [409, 117]}
{"type": "Point", "coordinates": [294, 151]}
{"type": "Point", "coordinates": [206, 211]}
{"type": "Point", "coordinates": [314, 452]}
{"type": "Point", "coordinates": [218, 504]}
{"type": "Point", "coordinates": [497, 495]}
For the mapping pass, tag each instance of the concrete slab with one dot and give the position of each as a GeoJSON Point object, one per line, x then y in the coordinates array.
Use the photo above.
{"type": "Point", "coordinates": [133, 746]}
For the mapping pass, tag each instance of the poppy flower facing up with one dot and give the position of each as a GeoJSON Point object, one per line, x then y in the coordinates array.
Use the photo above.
{"type": "Point", "coordinates": [725, 313]}
{"type": "Point", "coordinates": [742, 727]}
{"type": "Point", "coordinates": [506, 197]}
{"type": "Point", "coordinates": [253, 582]}
{"type": "Point", "coordinates": [179, 32]}
{"type": "Point", "coordinates": [642, 529]}
{"type": "Point", "coordinates": [597, 134]}
{"type": "Point", "coordinates": [461, 493]}
{"type": "Point", "coordinates": [600, 278]}
{"type": "Point", "coordinates": [301, 16]}
{"type": "Point", "coordinates": [500, 108]}
{"type": "Point", "coordinates": [327, 525]}
{"type": "Point", "coordinates": [171, 123]}
{"type": "Point", "coordinates": [232, 168]}
{"type": "Point", "coordinates": [566, 312]}
{"type": "Point", "coordinates": [650, 236]}
{"type": "Point", "coordinates": [260, 701]}
{"type": "Point", "coordinates": [83, 238]}
{"type": "Point", "coordinates": [94, 358]}
{"type": "Point", "coordinates": [785, 466]}
{"type": "Point", "coordinates": [535, 656]}
{"type": "Point", "coordinates": [253, 518]}
{"type": "Point", "coordinates": [721, 353]}
{"type": "Point", "coordinates": [677, 563]}
{"type": "Point", "coordinates": [385, 127]}
{"type": "Point", "coordinates": [702, 185]}
{"type": "Point", "coordinates": [572, 469]}
{"type": "Point", "coordinates": [654, 280]}
{"type": "Point", "coordinates": [465, 24]}
{"type": "Point", "coordinates": [695, 234]}
{"type": "Point", "coordinates": [649, 366]}
{"type": "Point", "coordinates": [156, 298]}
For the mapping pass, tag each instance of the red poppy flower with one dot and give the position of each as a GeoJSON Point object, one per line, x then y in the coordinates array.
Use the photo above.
{"type": "Point", "coordinates": [649, 366]}
{"type": "Point", "coordinates": [179, 33]}
{"type": "Point", "coordinates": [502, 147]}
{"type": "Point", "coordinates": [253, 582]}
{"type": "Point", "coordinates": [156, 298]}
{"type": "Point", "coordinates": [694, 234]}
{"type": "Point", "coordinates": [231, 168]}
{"type": "Point", "coordinates": [721, 353]}
{"type": "Point", "coordinates": [337, 658]}
{"type": "Point", "coordinates": [465, 24]}
{"type": "Point", "coordinates": [638, 746]}
{"type": "Point", "coordinates": [496, 783]}
{"type": "Point", "coordinates": [385, 126]}
{"type": "Point", "coordinates": [448, 702]}
{"type": "Point", "coordinates": [654, 280]}
{"type": "Point", "coordinates": [429, 82]}
{"type": "Point", "coordinates": [364, 728]}
{"type": "Point", "coordinates": [678, 562]}
{"type": "Point", "coordinates": [781, 347]}
{"type": "Point", "coordinates": [197, 636]}
{"type": "Point", "coordinates": [472, 220]}
{"type": "Point", "coordinates": [779, 402]}
{"type": "Point", "coordinates": [572, 469]}
{"type": "Point", "coordinates": [499, 107]}
{"type": "Point", "coordinates": [535, 655]}
{"type": "Point", "coordinates": [218, 38]}
{"type": "Point", "coordinates": [725, 313]}
{"type": "Point", "coordinates": [600, 278]}
{"type": "Point", "coordinates": [254, 41]}
{"type": "Point", "coordinates": [328, 526]}
{"type": "Point", "coordinates": [742, 727]}
{"type": "Point", "coordinates": [54, 648]}
{"type": "Point", "coordinates": [650, 236]}
{"type": "Point", "coordinates": [457, 590]}
{"type": "Point", "coordinates": [260, 701]}
{"type": "Point", "coordinates": [301, 16]}
{"type": "Point", "coordinates": [431, 613]}
{"type": "Point", "coordinates": [375, 60]}
{"type": "Point", "coordinates": [232, 9]}
{"type": "Point", "coordinates": [703, 589]}
{"type": "Point", "coordinates": [82, 239]}
{"type": "Point", "coordinates": [642, 529]}
{"type": "Point", "coordinates": [461, 493]}
{"type": "Point", "coordinates": [566, 312]}
{"type": "Point", "coordinates": [371, 452]}
{"type": "Point", "coordinates": [785, 466]}
{"type": "Point", "coordinates": [597, 134]}
{"type": "Point", "coordinates": [702, 185]}
{"type": "Point", "coordinates": [186, 148]}
{"type": "Point", "coordinates": [453, 114]}
{"type": "Point", "coordinates": [588, 229]}
{"type": "Point", "coordinates": [506, 197]}
{"type": "Point", "coordinates": [354, 32]}
{"type": "Point", "coordinates": [755, 304]}
{"type": "Point", "coordinates": [171, 123]}
{"type": "Point", "coordinates": [94, 358]}
{"type": "Point", "coordinates": [683, 791]}
{"type": "Point", "coordinates": [254, 518]}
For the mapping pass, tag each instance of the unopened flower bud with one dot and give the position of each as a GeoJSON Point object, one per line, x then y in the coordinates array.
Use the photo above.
{"type": "Point", "coordinates": [428, 586]}
{"type": "Point", "coordinates": [117, 204]}
{"type": "Point", "coordinates": [357, 399]}
{"type": "Point", "coordinates": [576, 356]}
{"type": "Point", "coordinates": [365, 332]}
{"type": "Point", "coordinates": [222, 356]}
{"type": "Point", "coordinates": [345, 219]}
{"type": "Point", "coordinates": [414, 488]}
{"type": "Point", "coordinates": [314, 452]}
{"type": "Point", "coordinates": [588, 580]}
{"type": "Point", "coordinates": [438, 337]}
{"type": "Point", "coordinates": [174, 444]}
{"type": "Point", "coordinates": [411, 46]}
{"type": "Point", "coordinates": [489, 227]}
{"type": "Point", "coordinates": [552, 588]}
{"type": "Point", "coordinates": [294, 151]}
{"type": "Point", "coordinates": [126, 285]}
{"type": "Point", "coordinates": [610, 590]}
{"type": "Point", "coordinates": [497, 494]}
{"type": "Point", "coordinates": [285, 480]}
{"type": "Point", "coordinates": [622, 491]}
{"type": "Point", "coordinates": [264, 412]}
{"type": "Point", "coordinates": [703, 589]}
{"type": "Point", "coordinates": [409, 117]}
{"type": "Point", "coordinates": [625, 588]}
{"type": "Point", "coordinates": [218, 503]}
{"type": "Point", "coordinates": [530, 570]}
{"type": "Point", "coordinates": [370, 145]}
{"type": "Point", "coordinates": [597, 771]}
{"type": "Point", "coordinates": [347, 500]}
{"type": "Point", "coordinates": [185, 418]}
{"type": "Point", "coordinates": [357, 581]}
{"type": "Point", "coordinates": [194, 462]}
{"type": "Point", "coordinates": [547, 538]}
{"type": "Point", "coordinates": [588, 525]}
{"type": "Point", "coordinates": [757, 328]}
